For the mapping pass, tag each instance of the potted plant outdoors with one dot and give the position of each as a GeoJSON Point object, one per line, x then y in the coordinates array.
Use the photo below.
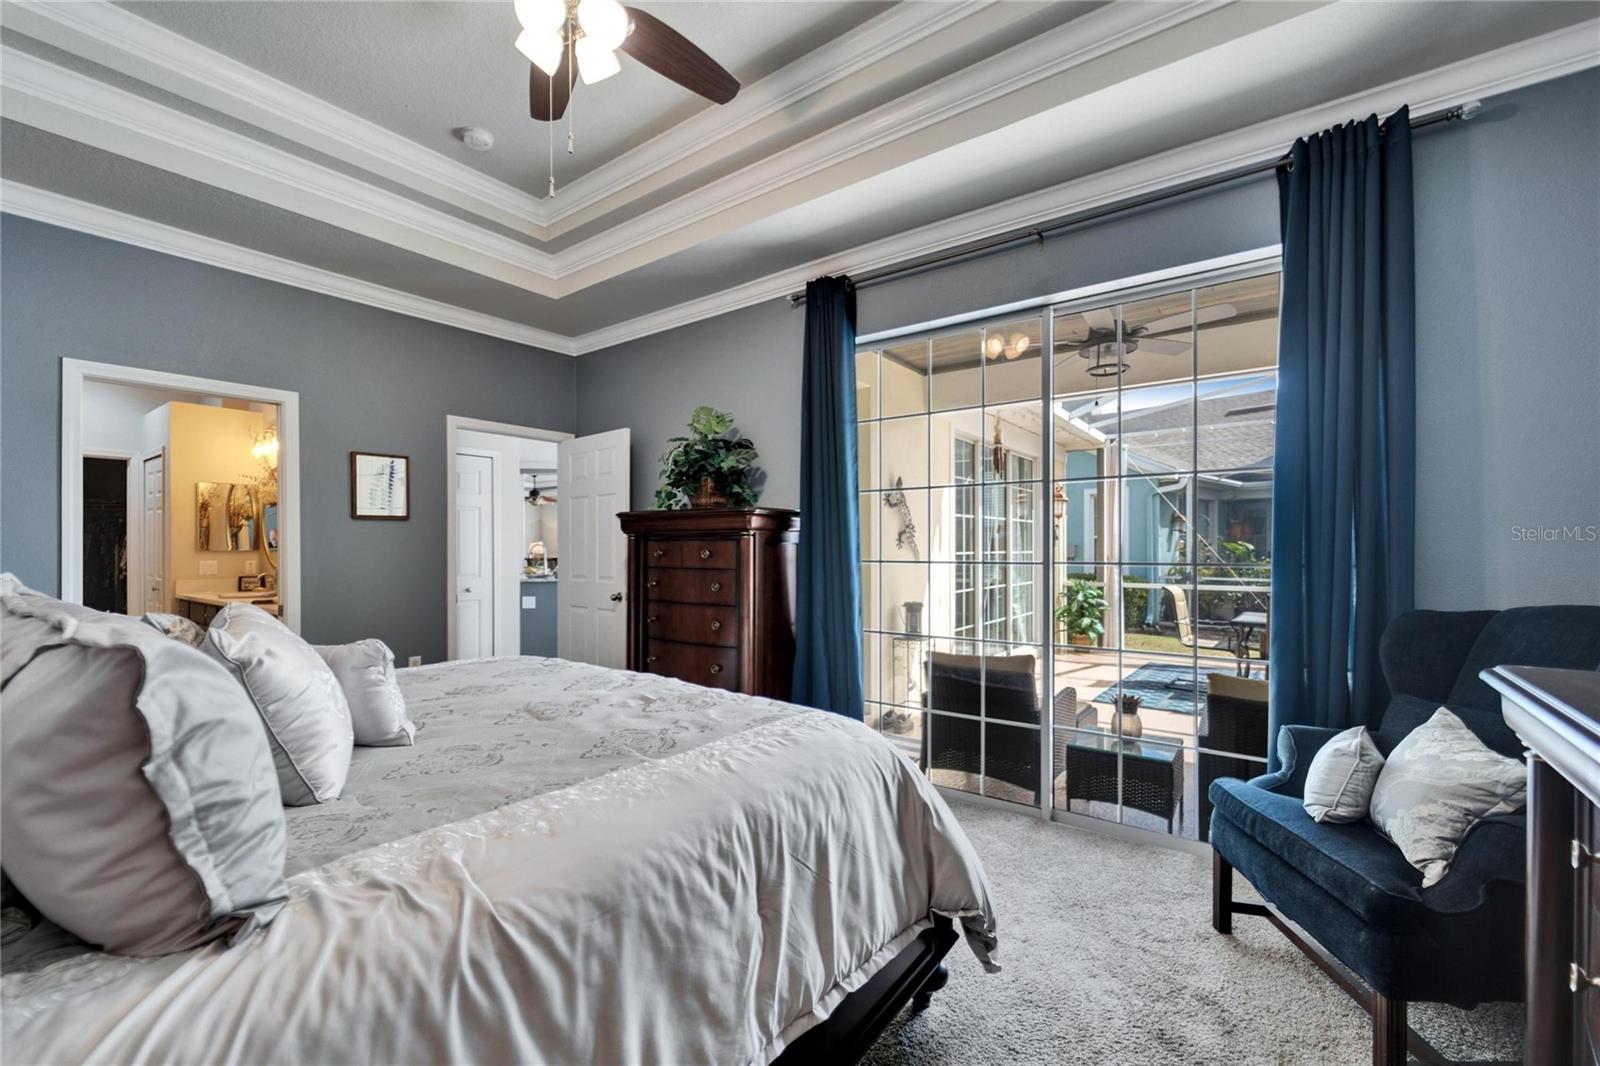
{"type": "Point", "coordinates": [712, 467]}
{"type": "Point", "coordinates": [1082, 611]}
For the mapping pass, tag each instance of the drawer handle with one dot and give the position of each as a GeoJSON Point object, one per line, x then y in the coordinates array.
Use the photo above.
{"type": "Point", "coordinates": [651, 584]}
{"type": "Point", "coordinates": [715, 626]}
{"type": "Point", "coordinates": [716, 586]}
{"type": "Point", "coordinates": [660, 553]}
{"type": "Point", "coordinates": [705, 553]}
{"type": "Point", "coordinates": [1578, 980]}
{"type": "Point", "coordinates": [716, 668]}
{"type": "Point", "coordinates": [651, 659]}
{"type": "Point", "coordinates": [652, 619]}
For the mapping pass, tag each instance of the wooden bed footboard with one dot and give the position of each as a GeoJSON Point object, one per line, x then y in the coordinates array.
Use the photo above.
{"type": "Point", "coordinates": [857, 1021]}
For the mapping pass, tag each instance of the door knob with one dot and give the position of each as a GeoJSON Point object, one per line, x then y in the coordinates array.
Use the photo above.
{"type": "Point", "coordinates": [466, 592]}
{"type": "Point", "coordinates": [616, 597]}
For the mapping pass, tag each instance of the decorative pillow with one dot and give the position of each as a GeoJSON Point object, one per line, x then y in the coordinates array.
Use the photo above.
{"type": "Point", "coordinates": [1439, 782]}
{"type": "Point", "coordinates": [365, 671]}
{"type": "Point", "coordinates": [177, 627]}
{"type": "Point", "coordinates": [305, 712]}
{"type": "Point", "coordinates": [138, 801]}
{"type": "Point", "coordinates": [1340, 780]}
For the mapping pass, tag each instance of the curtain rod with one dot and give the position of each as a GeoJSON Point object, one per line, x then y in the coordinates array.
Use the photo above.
{"type": "Point", "coordinates": [1039, 231]}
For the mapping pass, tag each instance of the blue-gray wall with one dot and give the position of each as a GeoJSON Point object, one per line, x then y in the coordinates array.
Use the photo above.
{"type": "Point", "coordinates": [1508, 350]}
{"type": "Point", "coordinates": [748, 361]}
{"type": "Point", "coordinates": [1508, 293]}
{"type": "Point", "coordinates": [367, 379]}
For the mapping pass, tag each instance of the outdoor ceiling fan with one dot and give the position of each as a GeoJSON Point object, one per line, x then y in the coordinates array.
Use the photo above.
{"type": "Point", "coordinates": [556, 34]}
{"type": "Point", "coordinates": [1100, 345]}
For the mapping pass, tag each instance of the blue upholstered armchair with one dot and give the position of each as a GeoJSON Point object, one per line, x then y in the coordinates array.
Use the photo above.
{"type": "Point", "coordinates": [1459, 941]}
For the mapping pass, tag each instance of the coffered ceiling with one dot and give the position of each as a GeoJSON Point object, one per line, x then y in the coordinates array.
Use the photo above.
{"type": "Point", "coordinates": [312, 142]}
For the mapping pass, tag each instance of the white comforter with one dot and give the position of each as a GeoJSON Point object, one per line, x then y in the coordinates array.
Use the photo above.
{"type": "Point", "coordinates": [706, 906]}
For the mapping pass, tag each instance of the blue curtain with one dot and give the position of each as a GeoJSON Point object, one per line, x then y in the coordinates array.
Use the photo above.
{"type": "Point", "coordinates": [1344, 477]}
{"type": "Point", "coordinates": [827, 667]}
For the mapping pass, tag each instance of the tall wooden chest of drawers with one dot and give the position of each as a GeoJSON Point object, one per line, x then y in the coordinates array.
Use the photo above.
{"type": "Point", "coordinates": [1557, 714]}
{"type": "Point", "coordinates": [711, 596]}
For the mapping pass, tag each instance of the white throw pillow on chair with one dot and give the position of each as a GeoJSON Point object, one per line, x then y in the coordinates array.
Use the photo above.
{"type": "Point", "coordinates": [1341, 777]}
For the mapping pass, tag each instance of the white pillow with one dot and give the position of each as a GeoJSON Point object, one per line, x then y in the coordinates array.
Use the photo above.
{"type": "Point", "coordinates": [305, 712]}
{"type": "Point", "coordinates": [1439, 782]}
{"type": "Point", "coordinates": [138, 801]}
{"type": "Point", "coordinates": [1341, 777]}
{"type": "Point", "coordinates": [365, 671]}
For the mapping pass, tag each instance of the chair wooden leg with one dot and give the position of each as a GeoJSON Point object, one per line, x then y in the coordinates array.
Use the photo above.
{"type": "Point", "coordinates": [1221, 893]}
{"type": "Point", "coordinates": [1388, 1031]}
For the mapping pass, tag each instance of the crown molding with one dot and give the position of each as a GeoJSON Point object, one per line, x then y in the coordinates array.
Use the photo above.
{"type": "Point", "coordinates": [870, 44]}
{"type": "Point", "coordinates": [1506, 69]}
{"type": "Point", "coordinates": [71, 104]}
{"type": "Point", "coordinates": [114, 37]}
{"type": "Point", "coordinates": [1045, 56]}
{"type": "Point", "coordinates": [1515, 66]}
{"type": "Point", "coordinates": [42, 205]}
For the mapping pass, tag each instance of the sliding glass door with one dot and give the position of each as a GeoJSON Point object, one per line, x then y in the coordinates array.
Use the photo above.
{"type": "Point", "coordinates": [1065, 560]}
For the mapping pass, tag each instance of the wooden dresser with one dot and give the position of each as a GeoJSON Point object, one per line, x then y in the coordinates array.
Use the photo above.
{"type": "Point", "coordinates": [711, 596]}
{"type": "Point", "coordinates": [1557, 714]}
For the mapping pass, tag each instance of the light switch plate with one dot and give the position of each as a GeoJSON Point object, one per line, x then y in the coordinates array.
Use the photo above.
{"type": "Point", "coordinates": [208, 568]}
{"type": "Point", "coordinates": [530, 603]}
{"type": "Point", "coordinates": [249, 566]}
{"type": "Point", "coordinates": [415, 660]}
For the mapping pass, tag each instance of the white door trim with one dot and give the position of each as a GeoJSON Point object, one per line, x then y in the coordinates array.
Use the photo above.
{"type": "Point", "coordinates": [75, 372]}
{"type": "Point", "coordinates": [453, 425]}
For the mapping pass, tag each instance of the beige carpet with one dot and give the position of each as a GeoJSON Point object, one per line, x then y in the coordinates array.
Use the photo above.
{"type": "Point", "coordinates": [1109, 958]}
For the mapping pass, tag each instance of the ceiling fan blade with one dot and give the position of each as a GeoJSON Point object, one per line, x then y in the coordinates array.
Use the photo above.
{"type": "Point", "coordinates": [548, 94]}
{"type": "Point", "coordinates": [1204, 316]}
{"type": "Point", "coordinates": [672, 55]}
{"type": "Point", "coordinates": [1101, 318]}
{"type": "Point", "coordinates": [1163, 347]}
{"type": "Point", "coordinates": [1215, 313]}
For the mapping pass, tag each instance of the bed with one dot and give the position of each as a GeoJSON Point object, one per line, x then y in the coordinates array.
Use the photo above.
{"type": "Point", "coordinates": [571, 864]}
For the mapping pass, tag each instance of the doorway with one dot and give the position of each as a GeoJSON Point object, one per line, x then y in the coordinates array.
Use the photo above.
{"type": "Point", "coordinates": [105, 532]}
{"type": "Point", "coordinates": [178, 494]}
{"type": "Point", "coordinates": [535, 555]}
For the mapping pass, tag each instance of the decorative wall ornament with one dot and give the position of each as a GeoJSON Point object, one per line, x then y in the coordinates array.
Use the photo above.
{"type": "Point", "coordinates": [906, 538]}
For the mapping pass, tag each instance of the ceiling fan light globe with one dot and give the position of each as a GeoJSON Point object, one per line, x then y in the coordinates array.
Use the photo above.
{"type": "Point", "coordinates": [995, 345]}
{"type": "Point", "coordinates": [1020, 342]}
{"type": "Point", "coordinates": [604, 21]}
{"type": "Point", "coordinates": [595, 61]}
{"type": "Point", "coordinates": [542, 49]}
{"type": "Point", "coordinates": [541, 16]}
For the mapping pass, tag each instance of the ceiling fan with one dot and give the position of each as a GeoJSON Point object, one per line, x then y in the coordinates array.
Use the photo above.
{"type": "Point", "coordinates": [1099, 346]}
{"type": "Point", "coordinates": [558, 33]}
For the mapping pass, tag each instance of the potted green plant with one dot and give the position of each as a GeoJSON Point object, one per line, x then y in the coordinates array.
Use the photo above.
{"type": "Point", "coordinates": [1082, 610]}
{"type": "Point", "coordinates": [712, 467]}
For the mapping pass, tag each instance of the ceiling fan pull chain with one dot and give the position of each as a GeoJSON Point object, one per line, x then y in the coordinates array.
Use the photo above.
{"type": "Point", "coordinates": [550, 129]}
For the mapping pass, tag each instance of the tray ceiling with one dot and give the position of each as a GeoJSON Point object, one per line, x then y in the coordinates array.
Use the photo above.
{"type": "Point", "coordinates": [317, 137]}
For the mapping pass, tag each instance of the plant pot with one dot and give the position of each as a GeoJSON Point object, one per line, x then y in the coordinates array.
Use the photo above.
{"type": "Point", "coordinates": [1080, 640]}
{"type": "Point", "coordinates": [708, 496]}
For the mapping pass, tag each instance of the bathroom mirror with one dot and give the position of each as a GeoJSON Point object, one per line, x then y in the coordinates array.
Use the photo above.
{"type": "Point", "coordinates": [269, 526]}
{"type": "Point", "coordinates": [225, 517]}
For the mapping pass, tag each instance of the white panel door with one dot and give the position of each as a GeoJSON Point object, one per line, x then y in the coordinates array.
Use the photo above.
{"type": "Point", "coordinates": [474, 576]}
{"type": "Point", "coordinates": [153, 535]}
{"type": "Point", "coordinates": [594, 487]}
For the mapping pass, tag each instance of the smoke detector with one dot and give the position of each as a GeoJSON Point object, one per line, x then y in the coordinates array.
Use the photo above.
{"type": "Point", "coordinates": [476, 138]}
